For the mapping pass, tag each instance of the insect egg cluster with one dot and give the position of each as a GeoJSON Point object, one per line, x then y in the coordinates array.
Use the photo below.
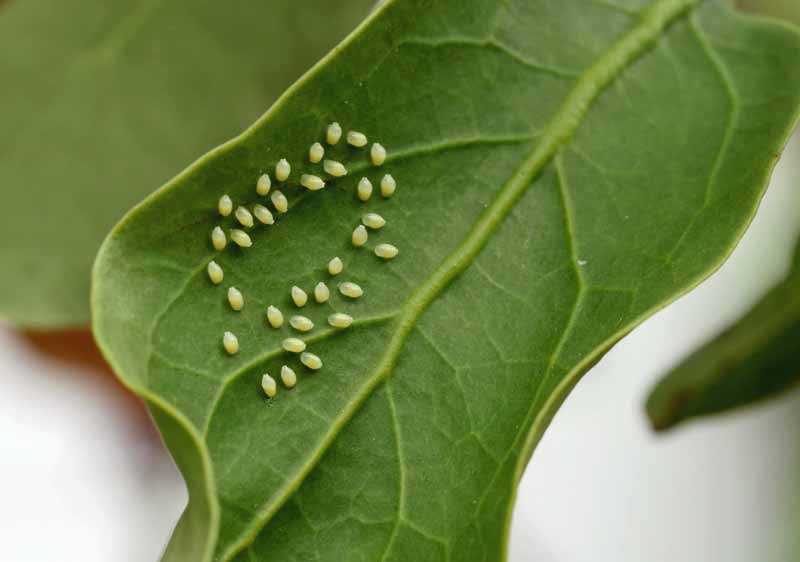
{"type": "Point", "coordinates": [328, 162]}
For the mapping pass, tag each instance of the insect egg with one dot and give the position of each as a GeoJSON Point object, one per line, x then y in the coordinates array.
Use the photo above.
{"type": "Point", "coordinates": [360, 236]}
{"type": "Point", "coordinates": [311, 361]}
{"type": "Point", "coordinates": [356, 139]}
{"type": "Point", "coordinates": [386, 251]}
{"type": "Point", "coordinates": [282, 170]}
{"type": "Point", "coordinates": [335, 266]}
{"type": "Point", "coordinates": [334, 133]}
{"type": "Point", "coordinates": [294, 345]}
{"type": "Point", "coordinates": [321, 292]}
{"type": "Point", "coordinates": [351, 290]}
{"type": "Point", "coordinates": [274, 316]}
{"type": "Point", "coordinates": [241, 238]}
{"type": "Point", "coordinates": [377, 154]}
{"type": "Point", "coordinates": [364, 189]}
{"type": "Point", "coordinates": [230, 342]}
{"type": "Point", "coordinates": [244, 217]}
{"type": "Point", "coordinates": [218, 238]}
{"type": "Point", "coordinates": [312, 182]}
{"type": "Point", "coordinates": [225, 205]}
{"type": "Point", "coordinates": [316, 152]}
{"type": "Point", "coordinates": [235, 298]}
{"type": "Point", "coordinates": [269, 386]}
{"type": "Point", "coordinates": [215, 272]}
{"type": "Point", "coordinates": [288, 376]}
{"type": "Point", "coordinates": [301, 323]}
{"type": "Point", "coordinates": [299, 296]}
{"type": "Point", "coordinates": [373, 221]}
{"type": "Point", "coordinates": [263, 184]}
{"type": "Point", "coordinates": [263, 214]}
{"type": "Point", "coordinates": [340, 320]}
{"type": "Point", "coordinates": [334, 168]}
{"type": "Point", "coordinates": [280, 201]}
{"type": "Point", "coordinates": [388, 185]}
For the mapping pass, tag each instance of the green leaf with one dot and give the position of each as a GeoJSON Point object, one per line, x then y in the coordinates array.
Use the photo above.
{"type": "Point", "coordinates": [788, 9]}
{"type": "Point", "coordinates": [564, 170]}
{"type": "Point", "coordinates": [103, 101]}
{"type": "Point", "coordinates": [756, 358]}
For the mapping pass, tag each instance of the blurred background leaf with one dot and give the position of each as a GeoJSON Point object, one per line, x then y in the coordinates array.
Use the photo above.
{"type": "Point", "coordinates": [756, 358]}
{"type": "Point", "coordinates": [102, 102]}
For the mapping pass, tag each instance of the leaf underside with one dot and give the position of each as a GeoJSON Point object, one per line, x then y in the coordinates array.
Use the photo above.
{"type": "Point", "coordinates": [757, 357]}
{"type": "Point", "coordinates": [102, 101]}
{"type": "Point", "coordinates": [564, 169]}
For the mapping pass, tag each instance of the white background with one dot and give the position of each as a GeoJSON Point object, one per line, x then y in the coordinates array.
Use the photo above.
{"type": "Point", "coordinates": [83, 477]}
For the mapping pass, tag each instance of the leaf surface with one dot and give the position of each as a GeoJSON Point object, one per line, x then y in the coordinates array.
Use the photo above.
{"type": "Point", "coordinates": [787, 9]}
{"type": "Point", "coordinates": [103, 101]}
{"type": "Point", "coordinates": [564, 169]}
{"type": "Point", "coordinates": [755, 358]}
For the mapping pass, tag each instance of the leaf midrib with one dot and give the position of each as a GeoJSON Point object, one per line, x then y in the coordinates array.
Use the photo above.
{"type": "Point", "coordinates": [560, 129]}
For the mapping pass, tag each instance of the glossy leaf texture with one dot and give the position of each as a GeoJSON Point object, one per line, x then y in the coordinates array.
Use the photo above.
{"type": "Point", "coordinates": [101, 102]}
{"type": "Point", "coordinates": [756, 358]}
{"type": "Point", "coordinates": [563, 170]}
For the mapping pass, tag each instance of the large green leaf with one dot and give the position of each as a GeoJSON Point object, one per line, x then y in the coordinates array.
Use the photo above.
{"type": "Point", "coordinates": [564, 169]}
{"type": "Point", "coordinates": [756, 358]}
{"type": "Point", "coordinates": [103, 101]}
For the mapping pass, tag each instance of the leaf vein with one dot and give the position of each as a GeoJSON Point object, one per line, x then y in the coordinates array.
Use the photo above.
{"type": "Point", "coordinates": [490, 43]}
{"type": "Point", "coordinates": [401, 480]}
{"type": "Point", "coordinates": [724, 149]}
